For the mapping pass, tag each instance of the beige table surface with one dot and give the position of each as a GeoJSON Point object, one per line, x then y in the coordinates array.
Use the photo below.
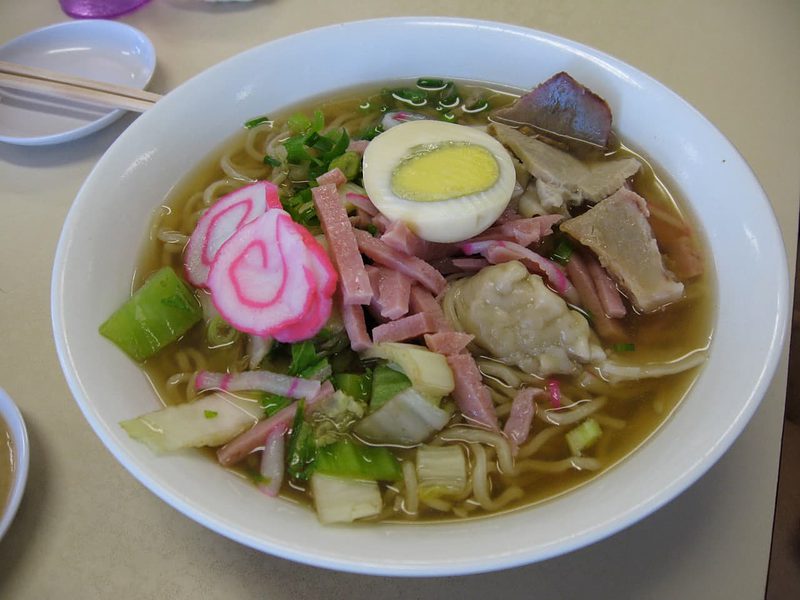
{"type": "Point", "coordinates": [87, 529]}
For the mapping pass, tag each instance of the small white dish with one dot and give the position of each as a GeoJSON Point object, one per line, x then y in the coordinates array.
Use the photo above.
{"type": "Point", "coordinates": [102, 50]}
{"type": "Point", "coordinates": [10, 414]}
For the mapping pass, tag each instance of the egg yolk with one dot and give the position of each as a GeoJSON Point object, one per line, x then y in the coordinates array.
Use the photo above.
{"type": "Point", "coordinates": [445, 171]}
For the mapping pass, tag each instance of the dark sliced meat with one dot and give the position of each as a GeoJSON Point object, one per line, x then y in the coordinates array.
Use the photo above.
{"type": "Point", "coordinates": [562, 106]}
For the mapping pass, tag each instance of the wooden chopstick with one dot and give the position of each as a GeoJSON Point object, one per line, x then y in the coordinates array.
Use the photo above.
{"type": "Point", "coordinates": [34, 79]}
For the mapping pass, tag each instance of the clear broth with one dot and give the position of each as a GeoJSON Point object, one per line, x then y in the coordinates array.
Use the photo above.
{"type": "Point", "coordinates": [643, 406]}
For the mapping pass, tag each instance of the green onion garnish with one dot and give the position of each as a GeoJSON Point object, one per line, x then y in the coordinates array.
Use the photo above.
{"type": "Point", "coordinates": [256, 122]}
{"type": "Point", "coordinates": [272, 162]}
{"type": "Point", "coordinates": [623, 347]}
{"type": "Point", "coordinates": [410, 96]}
{"type": "Point", "coordinates": [299, 123]}
{"type": "Point", "coordinates": [449, 117]}
{"type": "Point", "coordinates": [476, 107]}
{"type": "Point", "coordinates": [210, 414]}
{"type": "Point", "coordinates": [430, 84]}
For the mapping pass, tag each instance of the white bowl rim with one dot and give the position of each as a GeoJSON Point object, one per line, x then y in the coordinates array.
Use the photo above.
{"type": "Point", "coordinates": [12, 416]}
{"type": "Point", "coordinates": [777, 333]}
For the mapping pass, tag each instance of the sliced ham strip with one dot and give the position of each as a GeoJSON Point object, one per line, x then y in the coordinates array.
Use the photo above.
{"type": "Point", "coordinates": [421, 300]}
{"type": "Point", "coordinates": [239, 447]}
{"type": "Point", "coordinates": [394, 290]}
{"type": "Point", "coordinates": [358, 146]}
{"type": "Point", "coordinates": [334, 176]}
{"type": "Point", "coordinates": [362, 202]}
{"type": "Point", "coordinates": [473, 398]}
{"type": "Point", "coordinates": [406, 328]}
{"type": "Point", "coordinates": [342, 245]}
{"type": "Point", "coordinates": [518, 424]}
{"type": "Point", "coordinates": [402, 239]}
{"type": "Point", "coordinates": [606, 289]}
{"type": "Point", "coordinates": [354, 324]}
{"type": "Point", "coordinates": [608, 329]}
{"type": "Point", "coordinates": [524, 232]}
{"type": "Point", "coordinates": [499, 251]}
{"type": "Point", "coordinates": [448, 342]}
{"type": "Point", "coordinates": [411, 266]}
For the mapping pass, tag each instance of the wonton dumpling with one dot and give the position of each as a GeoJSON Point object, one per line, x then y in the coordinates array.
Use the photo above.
{"type": "Point", "coordinates": [516, 318]}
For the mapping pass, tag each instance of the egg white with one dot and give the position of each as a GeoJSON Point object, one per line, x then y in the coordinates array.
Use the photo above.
{"type": "Point", "coordinates": [450, 220]}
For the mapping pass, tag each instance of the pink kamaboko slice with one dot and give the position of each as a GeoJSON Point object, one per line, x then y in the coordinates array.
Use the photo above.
{"type": "Point", "coordinates": [321, 305]}
{"type": "Point", "coordinates": [260, 280]}
{"type": "Point", "coordinates": [221, 221]}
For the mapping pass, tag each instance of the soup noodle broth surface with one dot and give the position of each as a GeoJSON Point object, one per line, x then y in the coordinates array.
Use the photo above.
{"type": "Point", "coordinates": [632, 411]}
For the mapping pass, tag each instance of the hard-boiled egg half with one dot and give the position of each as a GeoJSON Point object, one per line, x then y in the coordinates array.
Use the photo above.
{"type": "Point", "coordinates": [446, 182]}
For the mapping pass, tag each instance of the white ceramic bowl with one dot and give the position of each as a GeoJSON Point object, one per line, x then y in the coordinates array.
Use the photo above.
{"type": "Point", "coordinates": [19, 439]}
{"type": "Point", "coordinates": [96, 257]}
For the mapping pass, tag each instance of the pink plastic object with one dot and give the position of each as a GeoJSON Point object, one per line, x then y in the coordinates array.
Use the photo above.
{"type": "Point", "coordinates": [99, 9]}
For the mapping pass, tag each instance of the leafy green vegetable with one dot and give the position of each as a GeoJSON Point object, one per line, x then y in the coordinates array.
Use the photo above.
{"type": "Point", "coordinates": [157, 314]}
{"type": "Point", "coordinates": [354, 385]}
{"type": "Point", "coordinates": [210, 414]}
{"type": "Point", "coordinates": [303, 356]}
{"type": "Point", "coordinates": [272, 403]}
{"type": "Point", "coordinates": [347, 458]}
{"type": "Point", "coordinates": [302, 448]}
{"type": "Point", "coordinates": [386, 384]}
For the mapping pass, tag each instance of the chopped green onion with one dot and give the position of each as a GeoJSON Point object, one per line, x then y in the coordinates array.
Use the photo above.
{"type": "Point", "coordinates": [371, 132]}
{"type": "Point", "coordinates": [319, 121]}
{"type": "Point", "coordinates": [349, 163]}
{"type": "Point", "coordinates": [449, 97]}
{"type": "Point", "coordinates": [272, 403]}
{"type": "Point", "coordinates": [373, 231]}
{"type": "Point", "coordinates": [563, 252]}
{"type": "Point", "coordinates": [623, 347]}
{"type": "Point", "coordinates": [219, 333]}
{"type": "Point", "coordinates": [272, 162]}
{"type": "Point", "coordinates": [296, 151]}
{"type": "Point", "coordinates": [210, 414]}
{"type": "Point", "coordinates": [583, 436]}
{"type": "Point", "coordinates": [449, 117]}
{"type": "Point", "coordinates": [256, 122]}
{"type": "Point", "coordinates": [476, 107]}
{"type": "Point", "coordinates": [339, 147]}
{"type": "Point", "coordinates": [430, 84]}
{"type": "Point", "coordinates": [410, 96]}
{"type": "Point", "coordinates": [298, 123]}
